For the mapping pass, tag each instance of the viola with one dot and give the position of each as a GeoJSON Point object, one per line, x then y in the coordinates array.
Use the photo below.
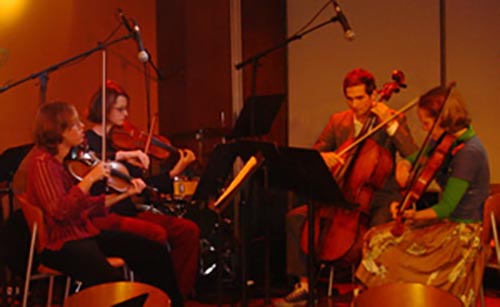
{"type": "Point", "coordinates": [129, 137]}
{"type": "Point", "coordinates": [80, 162]}
{"type": "Point", "coordinates": [366, 168]}
{"type": "Point", "coordinates": [419, 185]}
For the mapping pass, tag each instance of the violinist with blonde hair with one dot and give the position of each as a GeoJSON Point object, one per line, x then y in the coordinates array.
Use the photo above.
{"type": "Point", "coordinates": [438, 246]}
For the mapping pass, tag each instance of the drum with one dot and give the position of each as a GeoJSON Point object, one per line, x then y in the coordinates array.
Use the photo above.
{"type": "Point", "coordinates": [184, 187]}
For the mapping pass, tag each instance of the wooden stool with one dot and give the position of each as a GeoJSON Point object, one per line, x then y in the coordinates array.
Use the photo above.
{"type": "Point", "coordinates": [114, 293]}
{"type": "Point", "coordinates": [406, 295]}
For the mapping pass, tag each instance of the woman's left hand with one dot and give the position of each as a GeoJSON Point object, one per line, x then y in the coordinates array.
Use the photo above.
{"type": "Point", "coordinates": [187, 156]}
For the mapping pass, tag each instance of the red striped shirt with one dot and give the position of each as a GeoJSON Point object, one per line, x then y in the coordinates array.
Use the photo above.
{"type": "Point", "coordinates": [65, 206]}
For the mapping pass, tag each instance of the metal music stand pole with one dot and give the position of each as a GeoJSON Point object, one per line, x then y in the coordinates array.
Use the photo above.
{"type": "Point", "coordinates": [255, 63]}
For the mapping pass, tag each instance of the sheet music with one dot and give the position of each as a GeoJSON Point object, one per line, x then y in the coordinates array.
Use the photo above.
{"type": "Point", "coordinates": [250, 166]}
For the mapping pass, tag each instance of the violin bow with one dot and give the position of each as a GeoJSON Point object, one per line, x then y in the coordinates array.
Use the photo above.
{"type": "Point", "coordinates": [150, 134]}
{"type": "Point", "coordinates": [380, 126]}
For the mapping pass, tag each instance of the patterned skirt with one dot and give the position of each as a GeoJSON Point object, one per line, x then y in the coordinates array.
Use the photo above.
{"type": "Point", "coordinates": [446, 255]}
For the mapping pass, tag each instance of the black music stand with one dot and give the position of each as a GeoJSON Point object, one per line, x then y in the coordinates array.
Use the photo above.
{"type": "Point", "coordinates": [295, 169]}
{"type": "Point", "coordinates": [257, 116]}
{"type": "Point", "coordinates": [216, 171]}
{"type": "Point", "coordinates": [304, 172]}
{"type": "Point", "coordinates": [210, 186]}
{"type": "Point", "coordinates": [310, 177]}
{"type": "Point", "coordinates": [10, 160]}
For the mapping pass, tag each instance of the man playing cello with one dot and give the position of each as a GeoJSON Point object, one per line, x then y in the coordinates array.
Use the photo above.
{"type": "Point", "coordinates": [361, 94]}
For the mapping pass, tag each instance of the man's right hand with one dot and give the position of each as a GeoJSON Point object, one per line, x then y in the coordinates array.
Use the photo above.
{"type": "Point", "coordinates": [331, 158]}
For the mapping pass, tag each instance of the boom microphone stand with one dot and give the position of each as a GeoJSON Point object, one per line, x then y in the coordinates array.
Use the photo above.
{"type": "Point", "coordinates": [44, 74]}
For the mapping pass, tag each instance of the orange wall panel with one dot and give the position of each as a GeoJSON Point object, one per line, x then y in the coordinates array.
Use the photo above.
{"type": "Point", "coordinates": [46, 32]}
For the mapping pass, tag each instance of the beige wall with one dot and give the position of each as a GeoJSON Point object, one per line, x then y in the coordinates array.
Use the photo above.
{"type": "Point", "coordinates": [45, 32]}
{"type": "Point", "coordinates": [391, 35]}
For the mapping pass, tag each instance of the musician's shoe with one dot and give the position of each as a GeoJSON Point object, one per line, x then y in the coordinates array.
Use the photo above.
{"type": "Point", "coordinates": [298, 297]}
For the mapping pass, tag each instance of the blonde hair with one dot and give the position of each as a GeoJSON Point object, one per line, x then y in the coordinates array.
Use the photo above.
{"type": "Point", "coordinates": [454, 116]}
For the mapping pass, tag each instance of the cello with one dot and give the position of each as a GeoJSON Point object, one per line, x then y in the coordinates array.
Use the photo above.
{"type": "Point", "coordinates": [366, 168]}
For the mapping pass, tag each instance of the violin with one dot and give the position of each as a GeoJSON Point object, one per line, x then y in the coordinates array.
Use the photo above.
{"type": "Point", "coordinates": [129, 137]}
{"type": "Point", "coordinates": [424, 171]}
{"type": "Point", "coordinates": [366, 169]}
{"type": "Point", "coordinates": [80, 162]}
{"type": "Point", "coordinates": [421, 182]}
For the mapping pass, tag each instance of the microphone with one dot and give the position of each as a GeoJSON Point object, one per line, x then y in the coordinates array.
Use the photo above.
{"type": "Point", "coordinates": [143, 55]}
{"type": "Point", "coordinates": [348, 33]}
{"type": "Point", "coordinates": [135, 31]}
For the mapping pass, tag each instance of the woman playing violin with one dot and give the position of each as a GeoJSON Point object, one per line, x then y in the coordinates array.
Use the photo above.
{"type": "Point", "coordinates": [75, 245]}
{"type": "Point", "coordinates": [360, 92]}
{"type": "Point", "coordinates": [440, 245]}
{"type": "Point", "coordinates": [181, 234]}
{"type": "Point", "coordinates": [117, 114]}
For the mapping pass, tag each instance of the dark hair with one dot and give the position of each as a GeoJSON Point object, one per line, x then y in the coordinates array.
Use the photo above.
{"type": "Point", "coordinates": [113, 90]}
{"type": "Point", "coordinates": [51, 121]}
{"type": "Point", "coordinates": [360, 76]}
{"type": "Point", "coordinates": [455, 115]}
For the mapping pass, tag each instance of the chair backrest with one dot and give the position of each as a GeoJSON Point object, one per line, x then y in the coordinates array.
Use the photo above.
{"type": "Point", "coordinates": [491, 205]}
{"type": "Point", "coordinates": [405, 295]}
{"type": "Point", "coordinates": [491, 220]}
{"type": "Point", "coordinates": [34, 218]}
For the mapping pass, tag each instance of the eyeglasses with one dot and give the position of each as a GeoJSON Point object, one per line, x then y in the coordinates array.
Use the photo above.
{"type": "Point", "coordinates": [122, 109]}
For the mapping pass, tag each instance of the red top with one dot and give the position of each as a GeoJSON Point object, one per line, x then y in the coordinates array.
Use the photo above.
{"type": "Point", "coordinates": [65, 206]}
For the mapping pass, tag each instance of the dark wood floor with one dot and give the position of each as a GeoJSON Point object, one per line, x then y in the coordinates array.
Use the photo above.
{"type": "Point", "coordinates": [231, 296]}
{"type": "Point", "coordinates": [344, 299]}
